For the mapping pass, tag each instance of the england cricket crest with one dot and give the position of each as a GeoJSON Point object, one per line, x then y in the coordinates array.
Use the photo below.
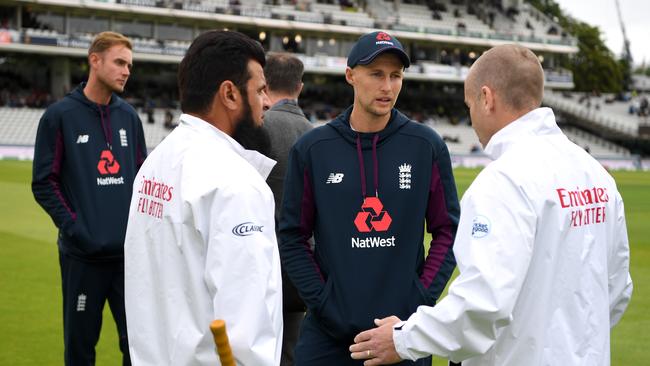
{"type": "Point", "coordinates": [404, 176]}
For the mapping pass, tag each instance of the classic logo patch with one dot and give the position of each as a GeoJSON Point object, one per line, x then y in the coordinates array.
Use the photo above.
{"type": "Point", "coordinates": [480, 227]}
{"type": "Point", "coordinates": [246, 229]}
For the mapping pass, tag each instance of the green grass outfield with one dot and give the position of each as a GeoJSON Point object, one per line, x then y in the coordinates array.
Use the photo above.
{"type": "Point", "coordinates": [30, 286]}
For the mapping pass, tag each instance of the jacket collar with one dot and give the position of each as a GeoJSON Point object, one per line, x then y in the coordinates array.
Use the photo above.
{"type": "Point", "coordinates": [78, 94]}
{"type": "Point", "coordinates": [540, 121]}
{"type": "Point", "coordinates": [288, 105]}
{"type": "Point", "coordinates": [342, 125]}
{"type": "Point", "coordinates": [260, 162]}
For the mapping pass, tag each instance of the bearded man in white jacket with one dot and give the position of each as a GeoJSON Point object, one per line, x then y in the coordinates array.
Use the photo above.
{"type": "Point", "coordinates": [542, 245]}
{"type": "Point", "coordinates": [200, 243]}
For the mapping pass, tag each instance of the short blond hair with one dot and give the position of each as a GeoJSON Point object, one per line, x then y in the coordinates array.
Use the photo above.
{"type": "Point", "coordinates": [106, 40]}
{"type": "Point", "coordinates": [513, 72]}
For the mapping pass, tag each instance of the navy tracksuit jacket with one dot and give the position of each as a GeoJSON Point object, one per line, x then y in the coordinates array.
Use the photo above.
{"type": "Point", "coordinates": [366, 198]}
{"type": "Point", "coordinates": [85, 160]}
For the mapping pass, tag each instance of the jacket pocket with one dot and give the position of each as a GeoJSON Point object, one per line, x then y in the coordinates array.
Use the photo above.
{"type": "Point", "coordinates": [425, 297]}
{"type": "Point", "coordinates": [78, 239]}
{"type": "Point", "coordinates": [331, 316]}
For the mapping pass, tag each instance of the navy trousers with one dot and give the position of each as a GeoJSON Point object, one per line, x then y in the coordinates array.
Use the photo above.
{"type": "Point", "coordinates": [86, 287]}
{"type": "Point", "coordinates": [292, 321]}
{"type": "Point", "coordinates": [317, 348]}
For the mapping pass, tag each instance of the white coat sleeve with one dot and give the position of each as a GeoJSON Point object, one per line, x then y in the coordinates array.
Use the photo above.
{"type": "Point", "coordinates": [493, 249]}
{"type": "Point", "coordinates": [620, 282]}
{"type": "Point", "coordinates": [242, 256]}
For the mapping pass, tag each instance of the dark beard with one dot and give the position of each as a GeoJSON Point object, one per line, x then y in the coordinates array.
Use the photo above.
{"type": "Point", "coordinates": [250, 136]}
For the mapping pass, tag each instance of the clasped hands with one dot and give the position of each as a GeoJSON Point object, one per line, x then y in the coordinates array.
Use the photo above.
{"type": "Point", "coordinates": [376, 345]}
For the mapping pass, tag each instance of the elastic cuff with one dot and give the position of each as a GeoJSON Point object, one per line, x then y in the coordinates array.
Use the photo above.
{"type": "Point", "coordinates": [399, 339]}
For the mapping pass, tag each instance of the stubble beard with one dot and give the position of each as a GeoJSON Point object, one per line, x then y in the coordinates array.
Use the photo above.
{"type": "Point", "coordinates": [370, 109]}
{"type": "Point", "coordinates": [111, 87]}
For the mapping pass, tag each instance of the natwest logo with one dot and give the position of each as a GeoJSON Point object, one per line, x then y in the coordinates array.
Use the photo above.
{"type": "Point", "coordinates": [381, 36]}
{"type": "Point", "coordinates": [107, 163]}
{"type": "Point", "coordinates": [372, 216]}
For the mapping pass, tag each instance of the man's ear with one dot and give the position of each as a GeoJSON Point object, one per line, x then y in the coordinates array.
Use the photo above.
{"type": "Point", "coordinates": [93, 60]}
{"type": "Point", "coordinates": [229, 95]}
{"type": "Point", "coordinates": [349, 75]}
{"type": "Point", "coordinates": [487, 96]}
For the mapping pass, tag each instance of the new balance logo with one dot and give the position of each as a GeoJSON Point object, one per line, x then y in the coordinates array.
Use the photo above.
{"type": "Point", "coordinates": [82, 139]}
{"type": "Point", "coordinates": [334, 178]}
{"type": "Point", "coordinates": [81, 302]}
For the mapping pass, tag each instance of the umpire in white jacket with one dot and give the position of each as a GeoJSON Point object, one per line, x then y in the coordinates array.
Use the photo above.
{"type": "Point", "coordinates": [200, 243]}
{"type": "Point", "coordinates": [541, 247]}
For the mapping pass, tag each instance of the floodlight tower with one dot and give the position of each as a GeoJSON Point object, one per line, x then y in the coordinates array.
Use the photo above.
{"type": "Point", "coordinates": [627, 55]}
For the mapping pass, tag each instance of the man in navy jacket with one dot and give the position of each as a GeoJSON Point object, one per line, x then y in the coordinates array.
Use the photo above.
{"type": "Point", "coordinates": [364, 186]}
{"type": "Point", "coordinates": [89, 147]}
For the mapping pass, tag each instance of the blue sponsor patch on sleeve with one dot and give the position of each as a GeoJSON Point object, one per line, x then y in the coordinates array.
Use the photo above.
{"type": "Point", "coordinates": [480, 227]}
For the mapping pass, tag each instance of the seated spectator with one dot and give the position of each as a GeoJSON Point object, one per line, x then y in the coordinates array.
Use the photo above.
{"type": "Point", "coordinates": [644, 109]}
{"type": "Point", "coordinates": [528, 25]}
{"type": "Point", "coordinates": [634, 106]}
{"type": "Point", "coordinates": [450, 139]}
{"type": "Point", "coordinates": [169, 120]}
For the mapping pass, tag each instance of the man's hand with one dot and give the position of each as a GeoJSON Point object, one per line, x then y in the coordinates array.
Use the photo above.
{"type": "Point", "coordinates": [376, 345]}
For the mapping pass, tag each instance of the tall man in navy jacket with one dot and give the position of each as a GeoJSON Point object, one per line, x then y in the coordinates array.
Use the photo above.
{"type": "Point", "coordinates": [89, 147]}
{"type": "Point", "coordinates": [364, 185]}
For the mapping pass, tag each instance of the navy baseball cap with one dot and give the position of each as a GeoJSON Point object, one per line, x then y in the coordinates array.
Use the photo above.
{"type": "Point", "coordinates": [371, 45]}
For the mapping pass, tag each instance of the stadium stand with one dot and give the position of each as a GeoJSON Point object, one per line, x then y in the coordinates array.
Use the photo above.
{"type": "Point", "coordinates": [604, 110]}
{"type": "Point", "coordinates": [595, 145]}
{"type": "Point", "coordinates": [18, 126]}
{"type": "Point", "coordinates": [443, 37]}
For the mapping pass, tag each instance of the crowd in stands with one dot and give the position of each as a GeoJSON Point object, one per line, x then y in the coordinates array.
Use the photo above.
{"type": "Point", "coordinates": [638, 104]}
{"type": "Point", "coordinates": [16, 92]}
{"type": "Point", "coordinates": [31, 98]}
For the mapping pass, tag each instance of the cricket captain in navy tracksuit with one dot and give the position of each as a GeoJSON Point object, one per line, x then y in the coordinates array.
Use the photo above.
{"type": "Point", "coordinates": [89, 147]}
{"type": "Point", "coordinates": [366, 185]}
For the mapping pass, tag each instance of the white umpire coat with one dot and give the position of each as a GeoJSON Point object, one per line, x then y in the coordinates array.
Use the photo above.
{"type": "Point", "coordinates": [200, 245]}
{"type": "Point", "coordinates": [543, 255]}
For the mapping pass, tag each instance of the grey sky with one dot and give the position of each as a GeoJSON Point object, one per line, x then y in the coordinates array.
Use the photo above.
{"type": "Point", "coordinates": [602, 13]}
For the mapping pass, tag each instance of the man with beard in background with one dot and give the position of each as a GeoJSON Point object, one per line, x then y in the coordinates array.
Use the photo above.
{"type": "Point", "coordinates": [200, 243]}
